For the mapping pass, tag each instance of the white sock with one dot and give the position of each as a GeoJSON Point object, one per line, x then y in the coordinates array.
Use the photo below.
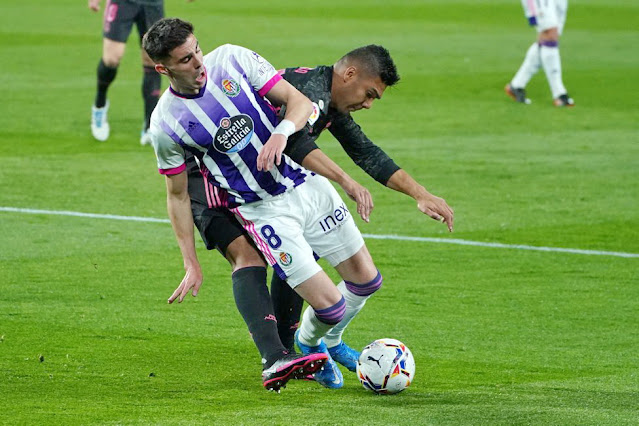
{"type": "Point", "coordinates": [354, 304]}
{"type": "Point", "coordinates": [551, 62]}
{"type": "Point", "coordinates": [528, 68]}
{"type": "Point", "coordinates": [312, 329]}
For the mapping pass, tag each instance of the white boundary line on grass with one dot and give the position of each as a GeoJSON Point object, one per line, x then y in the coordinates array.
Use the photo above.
{"type": "Point", "coordinates": [371, 236]}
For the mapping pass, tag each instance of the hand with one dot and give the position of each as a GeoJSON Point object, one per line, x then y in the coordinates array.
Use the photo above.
{"type": "Point", "coordinates": [361, 196]}
{"type": "Point", "coordinates": [271, 152]}
{"type": "Point", "coordinates": [436, 208]}
{"type": "Point", "coordinates": [94, 5]}
{"type": "Point", "coordinates": [192, 280]}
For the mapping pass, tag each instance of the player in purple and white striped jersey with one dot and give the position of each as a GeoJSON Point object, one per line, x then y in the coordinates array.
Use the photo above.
{"type": "Point", "coordinates": [225, 124]}
{"type": "Point", "coordinates": [214, 109]}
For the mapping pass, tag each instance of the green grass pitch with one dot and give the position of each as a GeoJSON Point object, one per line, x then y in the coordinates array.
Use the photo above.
{"type": "Point", "coordinates": [500, 335]}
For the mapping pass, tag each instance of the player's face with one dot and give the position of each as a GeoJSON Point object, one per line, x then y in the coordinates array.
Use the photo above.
{"type": "Point", "coordinates": [185, 67]}
{"type": "Point", "coordinates": [358, 92]}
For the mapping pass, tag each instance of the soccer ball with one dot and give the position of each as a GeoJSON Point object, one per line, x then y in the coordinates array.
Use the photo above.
{"type": "Point", "coordinates": [386, 366]}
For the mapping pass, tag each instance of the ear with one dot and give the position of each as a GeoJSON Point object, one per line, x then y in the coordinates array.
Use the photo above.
{"type": "Point", "coordinates": [349, 73]}
{"type": "Point", "coordinates": [162, 69]}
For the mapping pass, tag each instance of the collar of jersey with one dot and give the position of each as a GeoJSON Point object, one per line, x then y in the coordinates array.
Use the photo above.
{"type": "Point", "coordinates": [185, 96]}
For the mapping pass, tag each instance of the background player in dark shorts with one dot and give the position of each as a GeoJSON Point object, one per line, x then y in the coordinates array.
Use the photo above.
{"type": "Point", "coordinates": [335, 91]}
{"type": "Point", "coordinates": [119, 17]}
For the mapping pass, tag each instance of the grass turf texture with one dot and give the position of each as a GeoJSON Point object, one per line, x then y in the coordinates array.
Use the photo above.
{"type": "Point", "coordinates": [499, 336]}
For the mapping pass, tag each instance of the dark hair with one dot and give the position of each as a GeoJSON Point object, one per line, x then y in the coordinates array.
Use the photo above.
{"type": "Point", "coordinates": [164, 36]}
{"type": "Point", "coordinates": [374, 60]}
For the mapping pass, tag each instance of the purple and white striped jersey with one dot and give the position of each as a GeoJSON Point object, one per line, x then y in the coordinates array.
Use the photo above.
{"type": "Point", "coordinates": [225, 125]}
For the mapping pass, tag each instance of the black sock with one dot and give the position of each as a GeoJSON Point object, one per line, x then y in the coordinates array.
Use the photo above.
{"type": "Point", "coordinates": [287, 305]}
{"type": "Point", "coordinates": [151, 83]}
{"type": "Point", "coordinates": [105, 76]}
{"type": "Point", "coordinates": [254, 303]}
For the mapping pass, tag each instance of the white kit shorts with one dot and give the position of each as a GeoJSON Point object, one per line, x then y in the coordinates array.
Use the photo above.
{"type": "Point", "coordinates": [292, 228]}
{"type": "Point", "coordinates": [546, 14]}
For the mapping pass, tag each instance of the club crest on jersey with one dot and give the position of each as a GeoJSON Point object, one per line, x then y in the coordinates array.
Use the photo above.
{"type": "Point", "coordinates": [230, 87]}
{"type": "Point", "coordinates": [233, 134]}
{"type": "Point", "coordinates": [285, 258]}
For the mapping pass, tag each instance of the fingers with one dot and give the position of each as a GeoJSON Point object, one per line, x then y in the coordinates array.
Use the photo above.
{"type": "Point", "coordinates": [364, 204]}
{"type": "Point", "coordinates": [196, 288]}
{"type": "Point", "coordinates": [267, 157]}
{"type": "Point", "coordinates": [175, 294]}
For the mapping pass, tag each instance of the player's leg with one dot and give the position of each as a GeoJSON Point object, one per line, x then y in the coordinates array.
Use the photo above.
{"type": "Point", "coordinates": [516, 88]}
{"type": "Point", "coordinates": [287, 305]}
{"type": "Point", "coordinates": [278, 233]}
{"type": "Point", "coordinates": [335, 237]}
{"type": "Point", "coordinates": [151, 82]}
{"type": "Point", "coordinates": [118, 20]}
{"type": "Point", "coordinates": [360, 280]}
{"type": "Point", "coordinates": [549, 27]}
{"type": "Point", "coordinates": [220, 230]}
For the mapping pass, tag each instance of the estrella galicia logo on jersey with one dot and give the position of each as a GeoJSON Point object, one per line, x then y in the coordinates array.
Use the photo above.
{"type": "Point", "coordinates": [233, 134]}
{"type": "Point", "coordinates": [285, 258]}
{"type": "Point", "coordinates": [230, 87]}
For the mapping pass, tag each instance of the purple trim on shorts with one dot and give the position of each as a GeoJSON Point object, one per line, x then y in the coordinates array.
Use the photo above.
{"type": "Point", "coordinates": [549, 43]}
{"type": "Point", "coordinates": [365, 289]}
{"type": "Point", "coordinates": [333, 314]}
{"type": "Point", "coordinates": [532, 21]}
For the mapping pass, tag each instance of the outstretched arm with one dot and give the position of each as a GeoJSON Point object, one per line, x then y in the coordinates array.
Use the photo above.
{"type": "Point", "coordinates": [179, 208]}
{"type": "Point", "coordinates": [427, 203]}
{"type": "Point", "coordinates": [374, 161]}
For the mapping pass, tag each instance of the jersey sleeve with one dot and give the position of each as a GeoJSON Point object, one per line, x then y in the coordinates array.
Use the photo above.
{"type": "Point", "coordinates": [300, 144]}
{"type": "Point", "coordinates": [260, 73]}
{"type": "Point", "coordinates": [368, 156]}
{"type": "Point", "coordinates": [170, 155]}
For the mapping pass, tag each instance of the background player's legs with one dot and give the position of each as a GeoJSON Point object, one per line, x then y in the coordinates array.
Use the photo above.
{"type": "Point", "coordinates": [112, 52]}
{"type": "Point", "coordinates": [528, 68]}
{"type": "Point", "coordinates": [551, 62]}
{"type": "Point", "coordinates": [151, 83]}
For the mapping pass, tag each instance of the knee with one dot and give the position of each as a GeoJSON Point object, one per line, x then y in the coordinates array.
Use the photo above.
{"type": "Point", "coordinates": [241, 254]}
{"type": "Point", "coordinates": [549, 35]}
{"type": "Point", "coordinates": [333, 314]}
{"type": "Point", "coordinates": [366, 289]}
{"type": "Point", "coordinates": [111, 61]}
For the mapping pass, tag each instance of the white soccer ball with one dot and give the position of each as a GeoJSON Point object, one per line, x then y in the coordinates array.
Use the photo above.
{"type": "Point", "coordinates": [386, 366]}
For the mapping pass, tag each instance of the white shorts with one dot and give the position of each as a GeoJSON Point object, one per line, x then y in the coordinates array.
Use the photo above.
{"type": "Point", "coordinates": [547, 13]}
{"type": "Point", "coordinates": [291, 228]}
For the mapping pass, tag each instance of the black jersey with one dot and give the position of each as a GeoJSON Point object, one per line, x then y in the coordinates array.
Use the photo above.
{"type": "Point", "coordinates": [316, 84]}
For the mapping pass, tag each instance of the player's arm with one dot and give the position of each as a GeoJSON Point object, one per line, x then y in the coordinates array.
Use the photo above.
{"type": "Point", "coordinates": [298, 110]}
{"type": "Point", "coordinates": [179, 208]}
{"type": "Point", "coordinates": [374, 161]}
{"type": "Point", "coordinates": [427, 203]}
{"type": "Point", "coordinates": [303, 150]}
{"type": "Point", "coordinates": [171, 163]}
